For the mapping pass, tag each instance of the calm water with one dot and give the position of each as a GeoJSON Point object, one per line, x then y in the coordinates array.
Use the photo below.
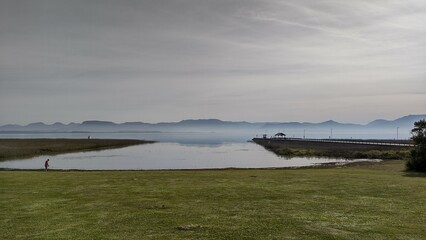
{"type": "Point", "coordinates": [169, 156]}
{"type": "Point", "coordinates": [175, 151]}
{"type": "Point", "coordinates": [218, 137]}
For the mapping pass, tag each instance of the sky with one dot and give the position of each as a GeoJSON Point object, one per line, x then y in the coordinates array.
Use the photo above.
{"type": "Point", "coordinates": [253, 60]}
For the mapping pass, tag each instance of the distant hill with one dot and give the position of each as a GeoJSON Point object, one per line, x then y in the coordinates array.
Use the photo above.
{"type": "Point", "coordinates": [405, 122]}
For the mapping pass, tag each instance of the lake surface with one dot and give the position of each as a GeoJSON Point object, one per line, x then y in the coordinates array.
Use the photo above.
{"type": "Point", "coordinates": [175, 151]}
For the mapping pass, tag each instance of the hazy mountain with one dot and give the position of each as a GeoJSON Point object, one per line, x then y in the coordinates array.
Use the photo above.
{"type": "Point", "coordinates": [283, 125]}
{"type": "Point", "coordinates": [307, 125]}
{"type": "Point", "coordinates": [405, 122]}
{"type": "Point", "coordinates": [378, 122]}
{"type": "Point", "coordinates": [212, 123]}
{"type": "Point", "coordinates": [97, 123]}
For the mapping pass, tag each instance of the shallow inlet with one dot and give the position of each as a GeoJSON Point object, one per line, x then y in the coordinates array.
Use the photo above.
{"type": "Point", "coordinates": [171, 156]}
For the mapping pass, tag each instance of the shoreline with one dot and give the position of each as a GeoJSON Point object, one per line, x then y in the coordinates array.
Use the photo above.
{"type": "Point", "coordinates": [335, 149]}
{"type": "Point", "coordinates": [315, 166]}
{"type": "Point", "coordinates": [21, 149]}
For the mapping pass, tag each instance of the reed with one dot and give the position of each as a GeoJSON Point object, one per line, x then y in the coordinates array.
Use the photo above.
{"type": "Point", "coordinates": [27, 148]}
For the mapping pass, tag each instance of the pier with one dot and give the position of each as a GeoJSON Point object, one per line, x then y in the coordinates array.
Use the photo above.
{"type": "Point", "coordinates": [377, 142]}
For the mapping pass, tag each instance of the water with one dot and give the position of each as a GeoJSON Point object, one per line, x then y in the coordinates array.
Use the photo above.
{"type": "Point", "coordinates": [175, 151]}
{"type": "Point", "coordinates": [223, 137]}
{"type": "Point", "coordinates": [168, 156]}
{"type": "Point", "coordinates": [199, 138]}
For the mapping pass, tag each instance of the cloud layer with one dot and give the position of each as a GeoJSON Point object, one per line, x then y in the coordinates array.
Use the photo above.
{"type": "Point", "coordinates": [236, 60]}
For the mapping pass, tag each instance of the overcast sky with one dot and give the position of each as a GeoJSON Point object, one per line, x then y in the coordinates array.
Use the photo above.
{"type": "Point", "coordinates": [254, 60]}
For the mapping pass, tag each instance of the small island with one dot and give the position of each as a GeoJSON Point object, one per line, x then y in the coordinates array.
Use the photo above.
{"type": "Point", "coordinates": [27, 148]}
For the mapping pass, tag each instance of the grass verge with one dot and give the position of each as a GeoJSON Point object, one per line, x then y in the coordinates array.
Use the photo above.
{"type": "Point", "coordinates": [374, 201]}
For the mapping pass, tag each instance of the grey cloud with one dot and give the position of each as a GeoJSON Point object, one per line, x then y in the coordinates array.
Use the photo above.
{"type": "Point", "coordinates": [168, 60]}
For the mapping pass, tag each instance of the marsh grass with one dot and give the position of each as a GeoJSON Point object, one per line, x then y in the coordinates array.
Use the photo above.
{"type": "Point", "coordinates": [335, 150]}
{"type": "Point", "coordinates": [362, 201]}
{"type": "Point", "coordinates": [26, 148]}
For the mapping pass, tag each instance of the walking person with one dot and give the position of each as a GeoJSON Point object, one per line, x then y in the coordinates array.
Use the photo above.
{"type": "Point", "coordinates": [46, 164]}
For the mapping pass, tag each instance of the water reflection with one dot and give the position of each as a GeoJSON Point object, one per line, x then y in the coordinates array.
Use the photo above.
{"type": "Point", "coordinates": [170, 156]}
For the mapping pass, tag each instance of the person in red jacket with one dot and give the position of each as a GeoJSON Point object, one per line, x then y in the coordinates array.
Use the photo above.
{"type": "Point", "coordinates": [46, 164]}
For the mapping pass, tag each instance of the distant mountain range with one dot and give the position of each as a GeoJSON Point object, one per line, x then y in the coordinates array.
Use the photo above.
{"type": "Point", "coordinates": [405, 122]}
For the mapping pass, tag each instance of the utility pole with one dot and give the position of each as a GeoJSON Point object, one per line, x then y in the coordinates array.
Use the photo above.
{"type": "Point", "coordinates": [397, 128]}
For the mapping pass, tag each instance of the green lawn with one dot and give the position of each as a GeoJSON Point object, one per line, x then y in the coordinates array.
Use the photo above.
{"type": "Point", "coordinates": [376, 201]}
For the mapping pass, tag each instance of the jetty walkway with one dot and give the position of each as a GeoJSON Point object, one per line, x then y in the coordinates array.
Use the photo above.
{"type": "Point", "coordinates": [376, 142]}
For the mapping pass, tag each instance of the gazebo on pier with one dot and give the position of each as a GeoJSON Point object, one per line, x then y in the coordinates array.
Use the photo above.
{"type": "Point", "coordinates": [280, 135]}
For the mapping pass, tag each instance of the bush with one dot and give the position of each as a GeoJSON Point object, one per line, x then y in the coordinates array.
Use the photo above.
{"type": "Point", "coordinates": [417, 162]}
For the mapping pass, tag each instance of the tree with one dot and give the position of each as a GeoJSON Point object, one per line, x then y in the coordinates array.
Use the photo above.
{"type": "Point", "coordinates": [417, 162]}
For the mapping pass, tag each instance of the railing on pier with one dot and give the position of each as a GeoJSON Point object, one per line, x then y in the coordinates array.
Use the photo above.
{"type": "Point", "coordinates": [347, 141]}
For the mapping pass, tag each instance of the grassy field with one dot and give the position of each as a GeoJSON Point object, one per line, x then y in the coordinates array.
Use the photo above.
{"type": "Point", "coordinates": [26, 148]}
{"type": "Point", "coordinates": [334, 150]}
{"type": "Point", "coordinates": [363, 201]}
